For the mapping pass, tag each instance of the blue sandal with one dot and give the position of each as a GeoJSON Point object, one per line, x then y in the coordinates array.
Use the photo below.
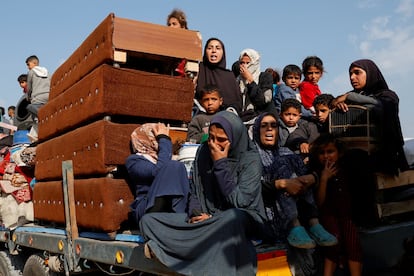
{"type": "Point", "coordinates": [321, 236]}
{"type": "Point", "coordinates": [298, 237]}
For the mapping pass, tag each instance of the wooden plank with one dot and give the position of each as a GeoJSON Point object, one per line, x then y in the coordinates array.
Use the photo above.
{"type": "Point", "coordinates": [394, 208]}
{"type": "Point", "coordinates": [8, 126]}
{"type": "Point", "coordinates": [70, 210]}
{"type": "Point", "coordinates": [385, 181]}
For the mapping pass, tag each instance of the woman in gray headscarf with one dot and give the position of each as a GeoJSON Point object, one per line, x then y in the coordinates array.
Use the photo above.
{"type": "Point", "coordinates": [225, 210]}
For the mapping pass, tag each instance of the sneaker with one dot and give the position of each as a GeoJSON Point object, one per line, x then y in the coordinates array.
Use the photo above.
{"type": "Point", "coordinates": [298, 237]}
{"type": "Point", "coordinates": [321, 236]}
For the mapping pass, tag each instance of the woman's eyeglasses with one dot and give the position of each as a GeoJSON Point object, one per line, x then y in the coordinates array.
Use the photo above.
{"type": "Point", "coordinates": [268, 124]}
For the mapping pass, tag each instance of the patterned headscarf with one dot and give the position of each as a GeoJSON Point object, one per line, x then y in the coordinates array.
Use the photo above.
{"type": "Point", "coordinates": [144, 142]}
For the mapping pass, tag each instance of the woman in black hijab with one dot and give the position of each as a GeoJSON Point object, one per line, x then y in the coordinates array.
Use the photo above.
{"type": "Point", "coordinates": [371, 88]}
{"type": "Point", "coordinates": [213, 71]}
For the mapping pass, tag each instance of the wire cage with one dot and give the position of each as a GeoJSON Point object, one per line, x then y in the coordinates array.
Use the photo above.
{"type": "Point", "coordinates": [357, 128]}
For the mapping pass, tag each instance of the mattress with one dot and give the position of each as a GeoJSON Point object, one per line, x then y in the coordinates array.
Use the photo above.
{"type": "Point", "coordinates": [95, 150]}
{"type": "Point", "coordinates": [102, 204]}
{"type": "Point", "coordinates": [108, 91]}
{"type": "Point", "coordinates": [118, 40]}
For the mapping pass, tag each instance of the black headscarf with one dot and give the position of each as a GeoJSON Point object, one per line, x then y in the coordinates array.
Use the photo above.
{"type": "Point", "coordinates": [392, 155]}
{"type": "Point", "coordinates": [218, 75]}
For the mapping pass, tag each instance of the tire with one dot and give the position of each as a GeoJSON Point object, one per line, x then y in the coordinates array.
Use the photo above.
{"type": "Point", "coordinates": [6, 265]}
{"type": "Point", "coordinates": [35, 266]}
{"type": "Point", "coordinates": [21, 112]}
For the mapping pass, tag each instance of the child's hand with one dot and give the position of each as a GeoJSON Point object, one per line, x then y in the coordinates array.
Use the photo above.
{"type": "Point", "coordinates": [304, 148]}
{"type": "Point", "coordinates": [329, 170]}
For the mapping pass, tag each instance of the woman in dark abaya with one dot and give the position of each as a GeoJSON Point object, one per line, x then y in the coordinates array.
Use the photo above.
{"type": "Point", "coordinates": [213, 71]}
{"type": "Point", "coordinates": [370, 88]}
{"type": "Point", "coordinates": [161, 184]}
{"type": "Point", "coordinates": [225, 210]}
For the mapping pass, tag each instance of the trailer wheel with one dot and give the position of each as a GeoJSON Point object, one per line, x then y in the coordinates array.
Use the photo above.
{"type": "Point", "coordinates": [35, 266]}
{"type": "Point", "coordinates": [6, 265]}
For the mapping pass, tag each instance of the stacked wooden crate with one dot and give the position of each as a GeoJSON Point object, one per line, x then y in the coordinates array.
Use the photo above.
{"type": "Point", "coordinates": [395, 194]}
{"type": "Point", "coordinates": [119, 77]}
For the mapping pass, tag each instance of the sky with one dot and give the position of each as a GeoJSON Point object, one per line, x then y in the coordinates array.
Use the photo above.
{"type": "Point", "coordinates": [283, 32]}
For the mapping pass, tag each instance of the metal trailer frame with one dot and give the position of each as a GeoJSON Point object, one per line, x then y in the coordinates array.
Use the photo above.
{"type": "Point", "coordinates": [75, 252]}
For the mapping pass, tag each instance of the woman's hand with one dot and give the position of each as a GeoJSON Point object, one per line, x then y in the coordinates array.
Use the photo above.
{"type": "Point", "coordinates": [297, 185]}
{"type": "Point", "coordinates": [339, 102]}
{"type": "Point", "coordinates": [199, 218]}
{"type": "Point", "coordinates": [292, 186]}
{"type": "Point", "coordinates": [218, 152]}
{"type": "Point", "coordinates": [245, 73]}
{"type": "Point", "coordinates": [161, 128]}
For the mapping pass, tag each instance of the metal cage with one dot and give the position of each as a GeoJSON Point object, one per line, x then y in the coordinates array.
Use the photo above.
{"type": "Point", "coordinates": [357, 127]}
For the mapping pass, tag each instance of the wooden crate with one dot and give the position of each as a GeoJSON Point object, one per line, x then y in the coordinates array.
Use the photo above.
{"type": "Point", "coordinates": [386, 184]}
{"type": "Point", "coordinates": [395, 208]}
{"type": "Point", "coordinates": [111, 91]}
{"type": "Point", "coordinates": [116, 40]}
{"type": "Point", "coordinates": [385, 181]}
{"type": "Point", "coordinates": [101, 203]}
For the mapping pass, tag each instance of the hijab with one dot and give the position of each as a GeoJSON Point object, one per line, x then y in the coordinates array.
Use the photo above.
{"type": "Point", "coordinates": [268, 154]}
{"type": "Point", "coordinates": [236, 132]}
{"type": "Point", "coordinates": [253, 66]}
{"type": "Point", "coordinates": [144, 142]}
{"type": "Point", "coordinates": [217, 74]}
{"type": "Point", "coordinates": [278, 162]}
{"type": "Point", "coordinates": [375, 80]}
{"type": "Point", "coordinates": [241, 153]}
{"type": "Point", "coordinates": [393, 157]}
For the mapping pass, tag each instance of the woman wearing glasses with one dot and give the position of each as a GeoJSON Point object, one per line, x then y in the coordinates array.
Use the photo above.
{"type": "Point", "coordinates": [288, 197]}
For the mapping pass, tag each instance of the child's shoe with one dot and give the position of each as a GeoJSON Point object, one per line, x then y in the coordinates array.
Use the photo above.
{"type": "Point", "coordinates": [298, 237]}
{"type": "Point", "coordinates": [321, 236]}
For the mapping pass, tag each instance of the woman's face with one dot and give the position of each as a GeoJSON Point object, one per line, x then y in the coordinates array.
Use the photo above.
{"type": "Point", "coordinates": [214, 51]}
{"type": "Point", "coordinates": [268, 131]}
{"type": "Point", "coordinates": [245, 61]}
{"type": "Point", "coordinates": [218, 136]}
{"type": "Point", "coordinates": [358, 78]}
